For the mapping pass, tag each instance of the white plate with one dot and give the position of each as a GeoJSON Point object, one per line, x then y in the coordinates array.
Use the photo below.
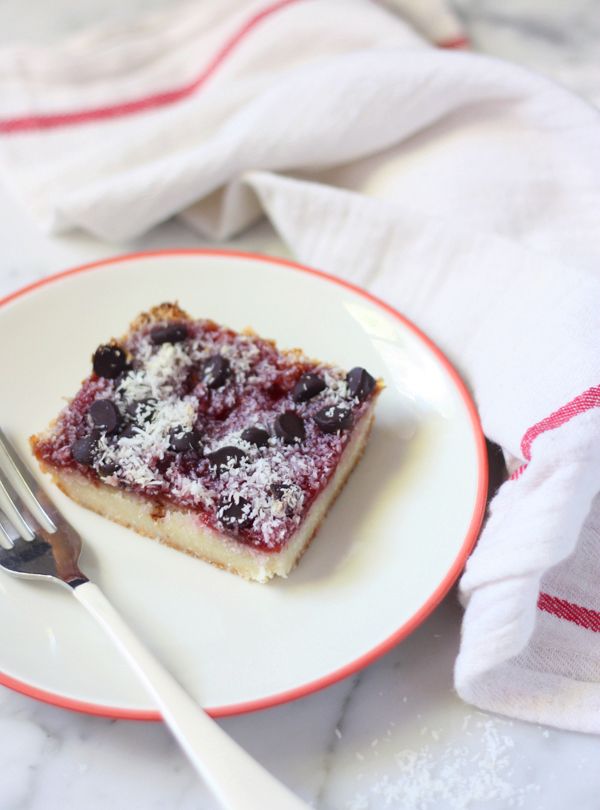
{"type": "Point", "coordinates": [390, 548]}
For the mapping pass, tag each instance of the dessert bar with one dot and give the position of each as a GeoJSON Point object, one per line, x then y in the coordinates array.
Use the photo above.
{"type": "Point", "coordinates": [215, 442]}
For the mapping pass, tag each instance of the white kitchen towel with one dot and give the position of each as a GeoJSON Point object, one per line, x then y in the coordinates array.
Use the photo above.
{"type": "Point", "coordinates": [148, 120]}
{"type": "Point", "coordinates": [435, 20]}
{"type": "Point", "coordinates": [523, 329]}
{"type": "Point", "coordinates": [463, 190]}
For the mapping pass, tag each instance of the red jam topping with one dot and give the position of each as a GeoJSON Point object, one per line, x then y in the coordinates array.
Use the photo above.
{"type": "Point", "coordinates": [221, 423]}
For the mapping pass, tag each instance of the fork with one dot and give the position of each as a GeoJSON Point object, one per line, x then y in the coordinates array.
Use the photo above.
{"type": "Point", "coordinates": [31, 550]}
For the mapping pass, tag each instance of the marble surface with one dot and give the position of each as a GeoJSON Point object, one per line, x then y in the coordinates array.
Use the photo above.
{"type": "Point", "coordinates": [395, 735]}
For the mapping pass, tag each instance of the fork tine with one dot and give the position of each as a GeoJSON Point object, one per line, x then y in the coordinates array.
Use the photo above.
{"type": "Point", "coordinates": [52, 551]}
{"type": "Point", "coordinates": [30, 524]}
{"type": "Point", "coordinates": [30, 485]}
{"type": "Point", "coordinates": [7, 530]}
{"type": "Point", "coordinates": [27, 557]}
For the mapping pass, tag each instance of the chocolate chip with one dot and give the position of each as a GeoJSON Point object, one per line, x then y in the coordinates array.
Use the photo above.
{"type": "Point", "coordinates": [307, 387]}
{"type": "Point", "coordinates": [105, 415]}
{"type": "Point", "coordinates": [163, 464]}
{"type": "Point", "coordinates": [234, 512]}
{"type": "Point", "coordinates": [290, 428]}
{"type": "Point", "coordinates": [128, 432]}
{"type": "Point", "coordinates": [225, 458]}
{"type": "Point", "coordinates": [142, 410]}
{"type": "Point", "coordinates": [216, 371]}
{"type": "Point", "coordinates": [84, 450]}
{"type": "Point", "coordinates": [334, 418]}
{"type": "Point", "coordinates": [255, 435]}
{"type": "Point", "coordinates": [110, 361]}
{"type": "Point", "coordinates": [183, 439]}
{"type": "Point", "coordinates": [108, 468]}
{"type": "Point", "coordinates": [360, 383]}
{"type": "Point", "coordinates": [278, 489]}
{"type": "Point", "coordinates": [173, 333]}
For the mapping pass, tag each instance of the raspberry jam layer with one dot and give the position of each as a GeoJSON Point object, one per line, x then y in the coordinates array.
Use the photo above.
{"type": "Point", "coordinates": [224, 424]}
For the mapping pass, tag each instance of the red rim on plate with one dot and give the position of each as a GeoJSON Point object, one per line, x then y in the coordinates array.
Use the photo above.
{"type": "Point", "coordinates": [403, 631]}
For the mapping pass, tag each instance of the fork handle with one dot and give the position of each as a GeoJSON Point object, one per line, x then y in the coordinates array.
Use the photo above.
{"type": "Point", "coordinates": [233, 777]}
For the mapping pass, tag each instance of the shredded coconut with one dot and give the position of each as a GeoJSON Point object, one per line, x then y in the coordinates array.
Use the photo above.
{"type": "Point", "coordinates": [452, 777]}
{"type": "Point", "coordinates": [166, 395]}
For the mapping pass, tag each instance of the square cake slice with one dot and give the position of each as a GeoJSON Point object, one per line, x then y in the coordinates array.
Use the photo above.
{"type": "Point", "coordinates": [214, 442]}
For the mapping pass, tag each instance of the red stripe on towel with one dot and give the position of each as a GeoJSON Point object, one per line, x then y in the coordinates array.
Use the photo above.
{"type": "Point", "coordinates": [583, 617]}
{"type": "Point", "coordinates": [457, 42]}
{"type": "Point", "coordinates": [518, 472]}
{"type": "Point", "coordinates": [155, 101]}
{"type": "Point", "coordinates": [583, 402]}
{"type": "Point", "coordinates": [589, 399]}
